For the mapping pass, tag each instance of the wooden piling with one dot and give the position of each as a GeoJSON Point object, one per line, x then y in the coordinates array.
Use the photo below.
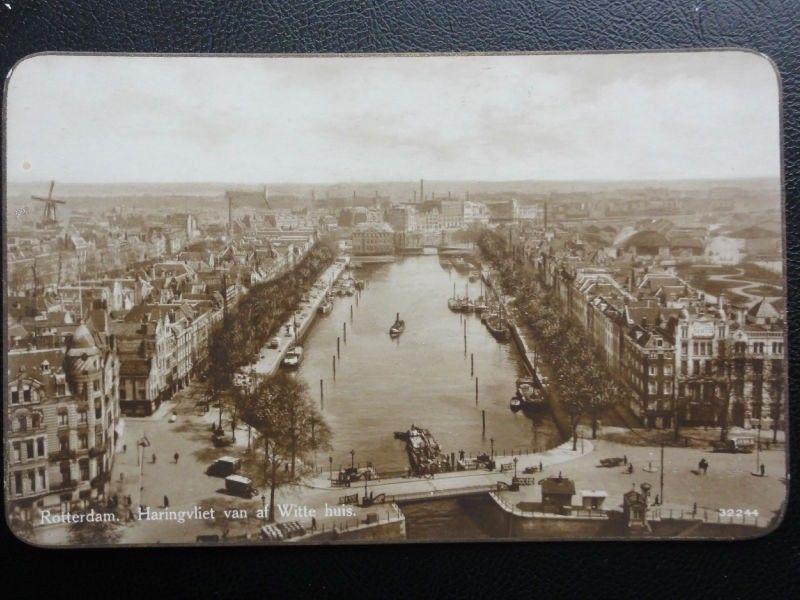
{"type": "Point", "coordinates": [351, 312]}
{"type": "Point", "coordinates": [472, 364]}
{"type": "Point", "coordinates": [483, 417]}
{"type": "Point", "coordinates": [344, 332]}
{"type": "Point", "coordinates": [476, 391]}
{"type": "Point", "coordinates": [338, 348]}
{"type": "Point", "coordinates": [321, 395]}
{"type": "Point", "coordinates": [334, 367]}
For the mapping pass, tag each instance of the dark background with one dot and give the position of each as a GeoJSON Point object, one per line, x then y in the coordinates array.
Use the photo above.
{"type": "Point", "coordinates": [763, 568]}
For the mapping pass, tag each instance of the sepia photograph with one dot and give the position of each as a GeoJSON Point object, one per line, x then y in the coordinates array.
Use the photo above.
{"type": "Point", "coordinates": [345, 299]}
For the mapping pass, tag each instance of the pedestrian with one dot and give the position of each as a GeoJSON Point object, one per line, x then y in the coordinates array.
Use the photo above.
{"type": "Point", "coordinates": [630, 468]}
{"type": "Point", "coordinates": [656, 501]}
{"type": "Point", "coordinates": [541, 467]}
{"type": "Point", "coordinates": [624, 459]}
{"type": "Point", "coordinates": [286, 467]}
{"type": "Point", "coordinates": [121, 477]}
{"type": "Point", "coordinates": [129, 500]}
{"type": "Point", "coordinates": [176, 457]}
{"type": "Point", "coordinates": [154, 458]}
{"type": "Point", "coordinates": [694, 509]}
{"type": "Point", "coordinates": [763, 470]}
{"type": "Point", "coordinates": [124, 448]}
{"type": "Point", "coordinates": [166, 502]}
{"type": "Point", "coordinates": [313, 523]}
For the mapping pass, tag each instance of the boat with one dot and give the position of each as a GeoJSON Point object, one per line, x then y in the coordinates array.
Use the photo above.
{"type": "Point", "coordinates": [479, 305]}
{"type": "Point", "coordinates": [516, 403]}
{"type": "Point", "coordinates": [474, 276]}
{"type": "Point", "coordinates": [529, 393]}
{"type": "Point", "coordinates": [454, 304]}
{"type": "Point", "coordinates": [293, 358]}
{"type": "Point", "coordinates": [397, 327]}
{"type": "Point", "coordinates": [360, 284]}
{"type": "Point", "coordinates": [498, 327]}
{"type": "Point", "coordinates": [424, 454]}
{"type": "Point", "coordinates": [325, 308]}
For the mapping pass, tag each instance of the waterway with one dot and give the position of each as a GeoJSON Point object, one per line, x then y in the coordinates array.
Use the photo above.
{"type": "Point", "coordinates": [423, 377]}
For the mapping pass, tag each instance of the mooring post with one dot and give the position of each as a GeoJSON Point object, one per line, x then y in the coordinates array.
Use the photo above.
{"type": "Point", "coordinates": [338, 349]}
{"type": "Point", "coordinates": [472, 364]}
{"type": "Point", "coordinates": [334, 367]}
{"type": "Point", "coordinates": [483, 416]}
{"type": "Point", "coordinates": [321, 395]}
{"type": "Point", "coordinates": [476, 391]}
{"type": "Point", "coordinates": [351, 312]}
{"type": "Point", "coordinates": [344, 332]}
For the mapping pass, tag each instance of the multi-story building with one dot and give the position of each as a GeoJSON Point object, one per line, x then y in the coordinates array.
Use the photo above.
{"type": "Point", "coordinates": [475, 213]}
{"type": "Point", "coordinates": [452, 216]}
{"type": "Point", "coordinates": [63, 413]}
{"type": "Point", "coordinates": [373, 239]}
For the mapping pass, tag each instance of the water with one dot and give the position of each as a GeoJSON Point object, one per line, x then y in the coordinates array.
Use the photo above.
{"type": "Point", "coordinates": [423, 377]}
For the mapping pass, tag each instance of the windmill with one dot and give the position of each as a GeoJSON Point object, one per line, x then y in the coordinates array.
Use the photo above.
{"type": "Point", "coordinates": [49, 212]}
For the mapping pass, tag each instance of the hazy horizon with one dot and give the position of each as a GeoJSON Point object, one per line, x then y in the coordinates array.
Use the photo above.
{"type": "Point", "coordinates": [672, 116]}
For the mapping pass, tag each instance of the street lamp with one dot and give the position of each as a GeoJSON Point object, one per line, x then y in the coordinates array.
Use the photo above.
{"type": "Point", "coordinates": [264, 505]}
{"type": "Point", "coordinates": [352, 459]}
{"type": "Point", "coordinates": [491, 442]}
{"type": "Point", "coordinates": [330, 462]}
{"type": "Point", "coordinates": [515, 465]}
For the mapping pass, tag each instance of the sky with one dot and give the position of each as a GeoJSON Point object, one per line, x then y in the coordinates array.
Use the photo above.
{"type": "Point", "coordinates": [99, 119]}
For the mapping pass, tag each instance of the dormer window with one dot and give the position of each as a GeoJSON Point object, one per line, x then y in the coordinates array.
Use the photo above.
{"type": "Point", "coordinates": [45, 367]}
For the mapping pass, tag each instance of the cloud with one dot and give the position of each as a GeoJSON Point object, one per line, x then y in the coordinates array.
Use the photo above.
{"type": "Point", "coordinates": [618, 116]}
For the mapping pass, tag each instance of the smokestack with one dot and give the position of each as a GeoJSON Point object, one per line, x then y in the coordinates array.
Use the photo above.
{"type": "Point", "coordinates": [230, 215]}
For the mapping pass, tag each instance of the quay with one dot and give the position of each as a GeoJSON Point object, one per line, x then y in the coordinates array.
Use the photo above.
{"type": "Point", "coordinates": [531, 363]}
{"type": "Point", "coordinates": [270, 358]}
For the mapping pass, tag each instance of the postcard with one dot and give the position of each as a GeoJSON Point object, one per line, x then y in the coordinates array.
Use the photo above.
{"type": "Point", "coordinates": [312, 299]}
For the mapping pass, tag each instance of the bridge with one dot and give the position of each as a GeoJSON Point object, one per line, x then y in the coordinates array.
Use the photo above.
{"type": "Point", "coordinates": [441, 494]}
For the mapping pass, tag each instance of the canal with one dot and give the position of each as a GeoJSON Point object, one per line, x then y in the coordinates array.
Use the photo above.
{"type": "Point", "coordinates": [423, 377]}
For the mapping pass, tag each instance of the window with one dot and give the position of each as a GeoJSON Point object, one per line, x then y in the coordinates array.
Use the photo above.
{"type": "Point", "coordinates": [63, 444]}
{"type": "Point", "coordinates": [29, 449]}
{"type": "Point", "coordinates": [695, 346]}
{"type": "Point", "coordinates": [668, 370]}
{"type": "Point", "coordinates": [17, 451]}
{"type": "Point", "coordinates": [652, 387]}
{"type": "Point", "coordinates": [652, 370]}
{"type": "Point", "coordinates": [23, 422]}
{"type": "Point", "coordinates": [32, 480]}
{"type": "Point", "coordinates": [14, 396]}
{"type": "Point", "coordinates": [42, 478]}
{"type": "Point", "coordinates": [18, 484]}
{"type": "Point", "coordinates": [695, 367]}
{"type": "Point", "coordinates": [40, 447]}
{"type": "Point", "coordinates": [84, 468]}
{"type": "Point", "coordinates": [83, 441]}
{"type": "Point", "coordinates": [63, 419]}
{"type": "Point", "coordinates": [96, 385]}
{"type": "Point", "coordinates": [667, 387]}
{"type": "Point", "coordinates": [83, 416]}
{"type": "Point", "coordinates": [26, 393]}
{"type": "Point", "coordinates": [684, 367]}
{"type": "Point", "coordinates": [36, 420]}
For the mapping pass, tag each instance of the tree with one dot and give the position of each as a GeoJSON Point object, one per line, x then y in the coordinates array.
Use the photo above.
{"type": "Point", "coordinates": [280, 409]}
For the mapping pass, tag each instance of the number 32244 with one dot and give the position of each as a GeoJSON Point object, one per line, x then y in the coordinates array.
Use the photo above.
{"type": "Point", "coordinates": [738, 512]}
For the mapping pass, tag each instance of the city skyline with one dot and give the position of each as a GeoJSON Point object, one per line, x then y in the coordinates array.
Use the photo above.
{"type": "Point", "coordinates": [611, 117]}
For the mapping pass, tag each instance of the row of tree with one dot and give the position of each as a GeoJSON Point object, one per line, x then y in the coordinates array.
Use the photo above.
{"type": "Point", "coordinates": [279, 409]}
{"type": "Point", "coordinates": [581, 381]}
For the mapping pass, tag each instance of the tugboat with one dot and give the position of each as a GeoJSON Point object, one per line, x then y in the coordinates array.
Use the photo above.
{"type": "Point", "coordinates": [516, 403]}
{"type": "Point", "coordinates": [398, 327]}
{"type": "Point", "coordinates": [293, 358]}
{"type": "Point", "coordinates": [325, 308]}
